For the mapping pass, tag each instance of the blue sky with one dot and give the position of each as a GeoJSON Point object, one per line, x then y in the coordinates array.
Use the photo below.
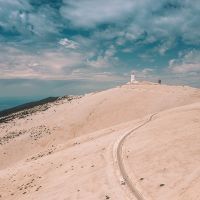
{"type": "Point", "coordinates": [55, 47]}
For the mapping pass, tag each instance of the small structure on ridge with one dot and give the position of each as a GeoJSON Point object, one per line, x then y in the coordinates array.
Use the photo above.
{"type": "Point", "coordinates": [133, 79]}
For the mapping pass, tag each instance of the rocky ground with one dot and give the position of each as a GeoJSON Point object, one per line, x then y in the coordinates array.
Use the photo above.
{"type": "Point", "coordinates": [131, 142]}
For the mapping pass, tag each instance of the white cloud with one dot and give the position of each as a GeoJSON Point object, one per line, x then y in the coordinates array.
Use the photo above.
{"type": "Point", "coordinates": [160, 19]}
{"type": "Point", "coordinates": [57, 64]}
{"type": "Point", "coordinates": [166, 45]}
{"type": "Point", "coordinates": [18, 63]}
{"type": "Point", "coordinates": [127, 50]}
{"type": "Point", "coordinates": [147, 71]}
{"type": "Point", "coordinates": [186, 68]}
{"type": "Point", "coordinates": [89, 13]}
{"type": "Point", "coordinates": [100, 62]}
{"type": "Point", "coordinates": [41, 24]}
{"type": "Point", "coordinates": [110, 51]}
{"type": "Point", "coordinates": [104, 59]}
{"type": "Point", "coordinates": [68, 43]}
{"type": "Point", "coordinates": [20, 17]}
{"type": "Point", "coordinates": [147, 57]}
{"type": "Point", "coordinates": [186, 63]}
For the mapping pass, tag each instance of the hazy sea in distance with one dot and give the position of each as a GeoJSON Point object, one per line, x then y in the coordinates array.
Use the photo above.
{"type": "Point", "coordinates": [9, 102]}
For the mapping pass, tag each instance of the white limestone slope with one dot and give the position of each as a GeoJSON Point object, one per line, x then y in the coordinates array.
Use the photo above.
{"type": "Point", "coordinates": [68, 151]}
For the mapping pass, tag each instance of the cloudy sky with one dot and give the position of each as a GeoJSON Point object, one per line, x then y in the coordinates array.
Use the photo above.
{"type": "Point", "coordinates": [54, 47]}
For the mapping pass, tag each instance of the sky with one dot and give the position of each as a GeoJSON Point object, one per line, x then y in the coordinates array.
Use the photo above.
{"type": "Point", "coordinates": [58, 47]}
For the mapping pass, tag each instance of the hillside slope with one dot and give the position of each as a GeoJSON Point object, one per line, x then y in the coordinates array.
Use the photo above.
{"type": "Point", "coordinates": [66, 152]}
{"type": "Point", "coordinates": [95, 111]}
{"type": "Point", "coordinates": [164, 160]}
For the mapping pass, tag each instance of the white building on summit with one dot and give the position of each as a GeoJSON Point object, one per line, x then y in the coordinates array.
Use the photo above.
{"type": "Point", "coordinates": [133, 80]}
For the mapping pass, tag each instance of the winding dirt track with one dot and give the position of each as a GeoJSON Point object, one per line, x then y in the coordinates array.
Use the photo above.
{"type": "Point", "coordinates": [120, 163]}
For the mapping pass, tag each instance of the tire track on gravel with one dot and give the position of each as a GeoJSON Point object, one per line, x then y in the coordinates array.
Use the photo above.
{"type": "Point", "coordinates": [119, 160]}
